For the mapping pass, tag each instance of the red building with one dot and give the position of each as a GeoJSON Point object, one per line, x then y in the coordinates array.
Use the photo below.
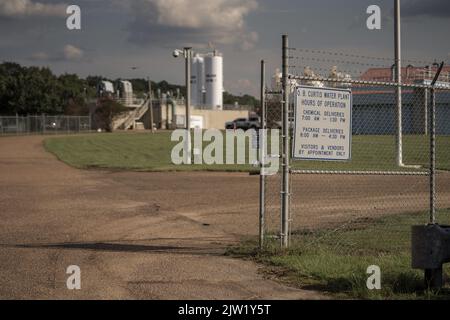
{"type": "Point", "coordinates": [410, 74]}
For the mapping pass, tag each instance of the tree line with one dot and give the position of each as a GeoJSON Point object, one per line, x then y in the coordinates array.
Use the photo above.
{"type": "Point", "coordinates": [36, 90]}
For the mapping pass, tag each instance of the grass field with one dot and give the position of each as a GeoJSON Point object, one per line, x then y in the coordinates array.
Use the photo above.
{"type": "Point", "coordinates": [336, 262]}
{"type": "Point", "coordinates": [140, 152]}
{"type": "Point", "coordinates": [147, 152]}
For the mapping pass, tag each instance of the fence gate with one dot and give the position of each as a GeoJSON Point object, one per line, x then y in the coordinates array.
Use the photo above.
{"type": "Point", "coordinates": [398, 174]}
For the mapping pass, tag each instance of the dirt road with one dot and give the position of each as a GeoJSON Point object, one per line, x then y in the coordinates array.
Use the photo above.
{"type": "Point", "coordinates": [134, 235]}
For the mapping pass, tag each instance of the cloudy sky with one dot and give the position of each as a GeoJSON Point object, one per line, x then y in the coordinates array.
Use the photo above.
{"type": "Point", "coordinates": [117, 35]}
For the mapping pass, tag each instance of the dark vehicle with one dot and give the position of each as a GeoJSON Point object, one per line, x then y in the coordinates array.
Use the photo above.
{"type": "Point", "coordinates": [244, 124]}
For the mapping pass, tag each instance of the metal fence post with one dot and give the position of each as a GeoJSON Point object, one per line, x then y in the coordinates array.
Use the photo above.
{"type": "Point", "coordinates": [398, 79]}
{"type": "Point", "coordinates": [43, 123]}
{"type": "Point", "coordinates": [433, 146]}
{"type": "Point", "coordinates": [17, 124]}
{"type": "Point", "coordinates": [433, 158]}
{"type": "Point", "coordinates": [285, 192]}
{"type": "Point", "coordinates": [262, 155]}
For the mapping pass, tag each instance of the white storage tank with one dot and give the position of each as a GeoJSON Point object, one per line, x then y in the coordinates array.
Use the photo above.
{"type": "Point", "coordinates": [105, 88]}
{"type": "Point", "coordinates": [214, 81]}
{"type": "Point", "coordinates": [197, 80]}
{"type": "Point", "coordinates": [126, 92]}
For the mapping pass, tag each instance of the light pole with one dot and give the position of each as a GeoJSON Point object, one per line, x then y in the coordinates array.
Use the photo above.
{"type": "Point", "coordinates": [187, 54]}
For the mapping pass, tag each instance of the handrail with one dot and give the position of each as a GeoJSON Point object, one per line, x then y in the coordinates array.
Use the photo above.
{"type": "Point", "coordinates": [126, 122]}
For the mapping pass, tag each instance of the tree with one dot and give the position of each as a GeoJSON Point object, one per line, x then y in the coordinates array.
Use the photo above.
{"type": "Point", "coordinates": [34, 90]}
{"type": "Point", "coordinates": [245, 100]}
{"type": "Point", "coordinates": [28, 90]}
{"type": "Point", "coordinates": [10, 75]}
{"type": "Point", "coordinates": [105, 112]}
{"type": "Point", "coordinates": [74, 93]}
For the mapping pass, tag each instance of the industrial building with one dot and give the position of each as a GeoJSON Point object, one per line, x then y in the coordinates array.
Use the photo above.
{"type": "Point", "coordinates": [374, 108]}
{"type": "Point", "coordinates": [122, 92]}
{"type": "Point", "coordinates": [208, 110]}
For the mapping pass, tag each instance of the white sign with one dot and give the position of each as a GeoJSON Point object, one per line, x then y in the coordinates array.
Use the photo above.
{"type": "Point", "coordinates": [323, 124]}
{"type": "Point", "coordinates": [196, 122]}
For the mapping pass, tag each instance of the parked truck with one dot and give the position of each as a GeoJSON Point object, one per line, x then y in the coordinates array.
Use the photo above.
{"type": "Point", "coordinates": [253, 122]}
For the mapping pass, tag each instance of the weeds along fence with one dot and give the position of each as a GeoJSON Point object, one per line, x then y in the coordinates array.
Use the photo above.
{"type": "Point", "coordinates": [399, 172]}
{"type": "Point", "coordinates": [44, 124]}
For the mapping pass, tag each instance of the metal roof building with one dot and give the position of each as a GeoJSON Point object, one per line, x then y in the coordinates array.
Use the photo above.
{"type": "Point", "coordinates": [375, 108]}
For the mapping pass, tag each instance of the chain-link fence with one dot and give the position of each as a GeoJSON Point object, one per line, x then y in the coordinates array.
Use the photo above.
{"type": "Point", "coordinates": [361, 211]}
{"type": "Point", "coordinates": [372, 187]}
{"type": "Point", "coordinates": [443, 157]}
{"type": "Point", "coordinates": [272, 183]}
{"type": "Point", "coordinates": [44, 124]}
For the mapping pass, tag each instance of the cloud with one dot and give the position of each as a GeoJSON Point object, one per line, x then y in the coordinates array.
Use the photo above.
{"type": "Point", "coordinates": [195, 22]}
{"type": "Point", "coordinates": [68, 53]}
{"type": "Point", "coordinates": [433, 8]}
{"type": "Point", "coordinates": [23, 8]}
{"type": "Point", "coordinates": [242, 86]}
{"type": "Point", "coordinates": [40, 56]}
{"type": "Point", "coordinates": [72, 53]}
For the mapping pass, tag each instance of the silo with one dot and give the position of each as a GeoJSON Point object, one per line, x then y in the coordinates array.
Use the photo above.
{"type": "Point", "coordinates": [126, 92]}
{"type": "Point", "coordinates": [197, 80]}
{"type": "Point", "coordinates": [214, 81]}
{"type": "Point", "coordinates": [105, 89]}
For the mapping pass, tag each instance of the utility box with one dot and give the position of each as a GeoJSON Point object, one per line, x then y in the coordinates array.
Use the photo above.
{"type": "Point", "coordinates": [430, 250]}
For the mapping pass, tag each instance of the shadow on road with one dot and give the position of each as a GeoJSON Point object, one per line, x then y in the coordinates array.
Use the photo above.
{"type": "Point", "coordinates": [131, 248]}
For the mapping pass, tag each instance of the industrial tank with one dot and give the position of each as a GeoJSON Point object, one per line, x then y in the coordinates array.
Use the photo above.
{"type": "Point", "coordinates": [125, 91]}
{"type": "Point", "coordinates": [214, 81]}
{"type": "Point", "coordinates": [105, 88]}
{"type": "Point", "coordinates": [197, 80]}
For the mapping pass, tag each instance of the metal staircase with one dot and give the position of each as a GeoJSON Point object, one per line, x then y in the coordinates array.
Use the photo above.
{"type": "Point", "coordinates": [128, 120]}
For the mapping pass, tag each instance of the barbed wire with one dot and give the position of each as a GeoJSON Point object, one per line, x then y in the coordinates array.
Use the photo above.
{"type": "Point", "coordinates": [355, 68]}
{"type": "Point", "coordinates": [345, 62]}
{"type": "Point", "coordinates": [364, 82]}
{"type": "Point", "coordinates": [357, 56]}
{"type": "Point", "coordinates": [297, 69]}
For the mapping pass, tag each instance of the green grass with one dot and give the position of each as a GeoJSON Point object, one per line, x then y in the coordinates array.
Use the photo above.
{"type": "Point", "coordinates": [336, 262]}
{"type": "Point", "coordinates": [379, 153]}
{"type": "Point", "coordinates": [127, 151]}
{"type": "Point", "coordinates": [147, 152]}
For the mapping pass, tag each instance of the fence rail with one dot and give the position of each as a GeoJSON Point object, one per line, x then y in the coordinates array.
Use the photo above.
{"type": "Point", "coordinates": [44, 124]}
